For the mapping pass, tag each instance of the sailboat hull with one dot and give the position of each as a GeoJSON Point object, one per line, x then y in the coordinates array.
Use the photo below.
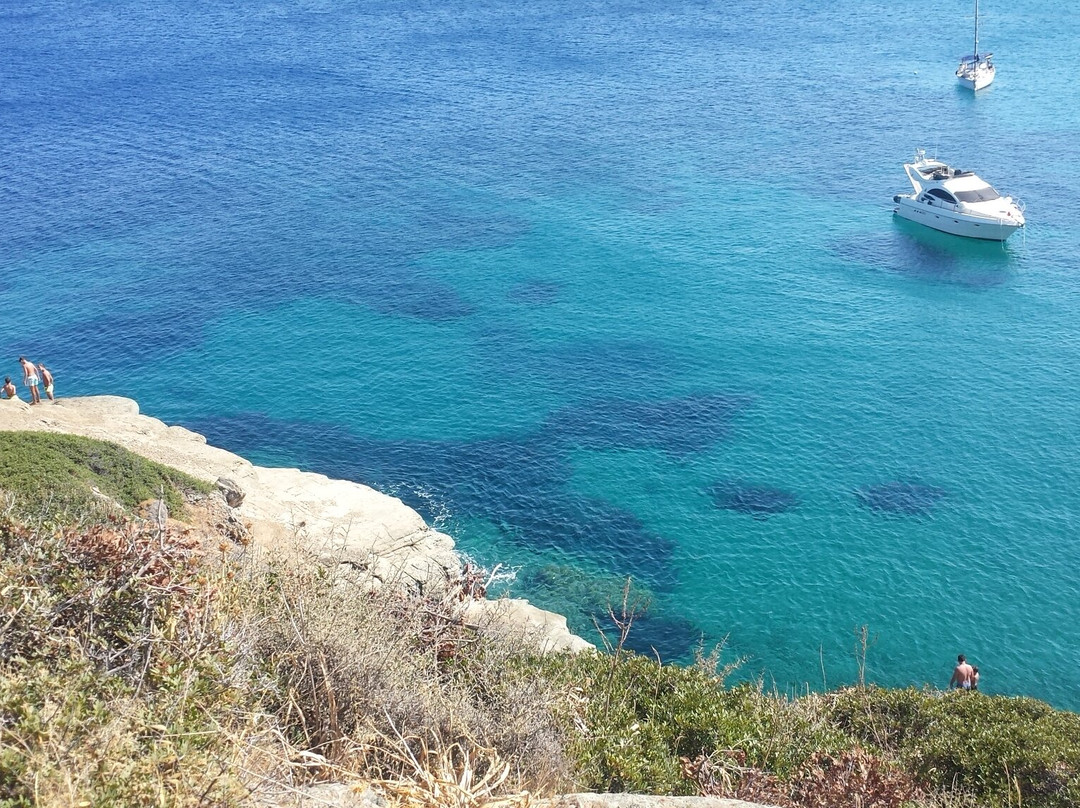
{"type": "Point", "coordinates": [975, 78]}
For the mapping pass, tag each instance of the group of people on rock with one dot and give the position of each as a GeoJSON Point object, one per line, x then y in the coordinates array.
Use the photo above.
{"type": "Point", "coordinates": [35, 377]}
{"type": "Point", "coordinates": [964, 675]}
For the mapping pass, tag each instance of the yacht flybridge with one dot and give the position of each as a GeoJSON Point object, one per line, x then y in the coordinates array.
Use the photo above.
{"type": "Point", "coordinates": [956, 202]}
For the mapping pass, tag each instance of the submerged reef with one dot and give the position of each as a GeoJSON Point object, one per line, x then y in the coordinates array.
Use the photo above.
{"type": "Point", "coordinates": [758, 501]}
{"type": "Point", "coordinates": [905, 497]}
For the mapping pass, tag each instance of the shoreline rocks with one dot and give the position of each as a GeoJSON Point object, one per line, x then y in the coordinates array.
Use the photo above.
{"type": "Point", "coordinates": [343, 521]}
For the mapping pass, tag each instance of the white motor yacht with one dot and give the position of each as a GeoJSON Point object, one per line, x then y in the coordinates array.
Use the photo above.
{"type": "Point", "coordinates": [956, 202]}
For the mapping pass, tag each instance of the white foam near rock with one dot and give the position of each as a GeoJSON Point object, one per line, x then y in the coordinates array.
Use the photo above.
{"type": "Point", "coordinates": [345, 521]}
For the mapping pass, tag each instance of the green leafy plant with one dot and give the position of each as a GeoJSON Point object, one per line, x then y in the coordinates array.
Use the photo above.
{"type": "Point", "coordinates": [67, 475]}
{"type": "Point", "coordinates": [1004, 750]}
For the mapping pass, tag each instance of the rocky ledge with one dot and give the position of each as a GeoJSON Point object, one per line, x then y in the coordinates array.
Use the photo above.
{"type": "Point", "coordinates": [343, 521]}
{"type": "Point", "coordinates": [361, 795]}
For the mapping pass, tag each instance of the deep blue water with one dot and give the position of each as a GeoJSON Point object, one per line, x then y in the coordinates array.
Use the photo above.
{"type": "Point", "coordinates": [602, 289]}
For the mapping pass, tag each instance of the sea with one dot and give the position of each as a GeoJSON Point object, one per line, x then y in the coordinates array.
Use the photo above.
{"type": "Point", "coordinates": [608, 290]}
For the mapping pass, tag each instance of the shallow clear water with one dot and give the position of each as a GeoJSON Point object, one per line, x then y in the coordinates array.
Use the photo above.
{"type": "Point", "coordinates": [603, 290]}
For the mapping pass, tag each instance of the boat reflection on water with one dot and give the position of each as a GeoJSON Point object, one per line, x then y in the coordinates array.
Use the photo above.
{"type": "Point", "coordinates": [934, 256]}
{"type": "Point", "coordinates": [919, 253]}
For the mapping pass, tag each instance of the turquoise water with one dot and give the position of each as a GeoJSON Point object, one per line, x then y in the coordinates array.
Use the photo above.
{"type": "Point", "coordinates": [604, 291]}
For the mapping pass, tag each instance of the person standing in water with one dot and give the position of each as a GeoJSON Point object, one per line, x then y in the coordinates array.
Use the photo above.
{"type": "Point", "coordinates": [962, 674]}
{"type": "Point", "coordinates": [30, 378]}
{"type": "Point", "coordinates": [8, 390]}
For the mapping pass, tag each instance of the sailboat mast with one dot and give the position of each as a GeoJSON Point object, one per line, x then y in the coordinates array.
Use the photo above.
{"type": "Point", "coordinates": [976, 51]}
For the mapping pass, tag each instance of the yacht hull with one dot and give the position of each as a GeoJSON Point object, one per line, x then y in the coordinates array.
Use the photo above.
{"type": "Point", "coordinates": [954, 223]}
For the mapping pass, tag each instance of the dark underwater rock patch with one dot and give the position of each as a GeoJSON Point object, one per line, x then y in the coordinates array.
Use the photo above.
{"type": "Point", "coordinates": [758, 501]}
{"type": "Point", "coordinates": [127, 340]}
{"type": "Point", "coordinates": [673, 638]}
{"type": "Point", "coordinates": [679, 426]}
{"type": "Point", "coordinates": [906, 497]}
{"type": "Point", "coordinates": [425, 300]}
{"type": "Point", "coordinates": [535, 293]}
{"type": "Point", "coordinates": [588, 598]}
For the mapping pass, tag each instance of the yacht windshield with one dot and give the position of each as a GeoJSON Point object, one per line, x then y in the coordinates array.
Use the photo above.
{"type": "Point", "coordinates": [984, 194]}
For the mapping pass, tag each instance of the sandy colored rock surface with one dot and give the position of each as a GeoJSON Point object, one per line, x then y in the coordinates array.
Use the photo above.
{"type": "Point", "coordinates": [328, 795]}
{"type": "Point", "coordinates": [337, 795]}
{"type": "Point", "coordinates": [508, 616]}
{"type": "Point", "coordinates": [341, 520]}
{"type": "Point", "coordinates": [641, 801]}
{"type": "Point", "coordinates": [360, 795]}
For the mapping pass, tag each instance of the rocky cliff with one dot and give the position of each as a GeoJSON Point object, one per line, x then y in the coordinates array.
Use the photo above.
{"type": "Point", "coordinates": [346, 522]}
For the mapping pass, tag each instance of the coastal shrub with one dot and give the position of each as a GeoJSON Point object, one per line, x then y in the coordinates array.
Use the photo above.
{"type": "Point", "coordinates": [53, 473]}
{"type": "Point", "coordinates": [137, 669]}
{"type": "Point", "coordinates": [852, 777]}
{"type": "Point", "coordinates": [110, 669]}
{"type": "Point", "coordinates": [73, 736]}
{"type": "Point", "coordinates": [110, 592]}
{"type": "Point", "coordinates": [1001, 749]}
{"type": "Point", "coordinates": [638, 721]}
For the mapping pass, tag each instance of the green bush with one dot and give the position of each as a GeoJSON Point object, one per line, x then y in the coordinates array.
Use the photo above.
{"type": "Point", "coordinates": [1001, 749]}
{"type": "Point", "coordinates": [49, 472]}
{"type": "Point", "coordinates": [884, 719]}
{"type": "Point", "coordinates": [636, 718]}
{"type": "Point", "coordinates": [630, 720]}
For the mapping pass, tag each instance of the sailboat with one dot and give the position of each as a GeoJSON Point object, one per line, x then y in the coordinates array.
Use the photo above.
{"type": "Point", "coordinates": [976, 70]}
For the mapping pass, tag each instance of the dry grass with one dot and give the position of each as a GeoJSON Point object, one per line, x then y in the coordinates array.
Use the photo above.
{"type": "Point", "coordinates": [136, 668]}
{"type": "Point", "coordinates": [453, 776]}
{"type": "Point", "coordinates": [109, 690]}
{"type": "Point", "coordinates": [375, 682]}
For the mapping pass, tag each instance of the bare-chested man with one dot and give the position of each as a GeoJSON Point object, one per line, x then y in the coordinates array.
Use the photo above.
{"type": "Point", "coordinates": [46, 380]}
{"type": "Point", "coordinates": [8, 390]}
{"type": "Point", "coordinates": [963, 675]}
{"type": "Point", "coordinates": [30, 379]}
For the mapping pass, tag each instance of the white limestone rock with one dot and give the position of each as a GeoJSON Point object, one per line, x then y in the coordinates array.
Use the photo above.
{"type": "Point", "coordinates": [514, 617]}
{"type": "Point", "coordinates": [641, 801]}
{"type": "Point", "coordinates": [341, 520]}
